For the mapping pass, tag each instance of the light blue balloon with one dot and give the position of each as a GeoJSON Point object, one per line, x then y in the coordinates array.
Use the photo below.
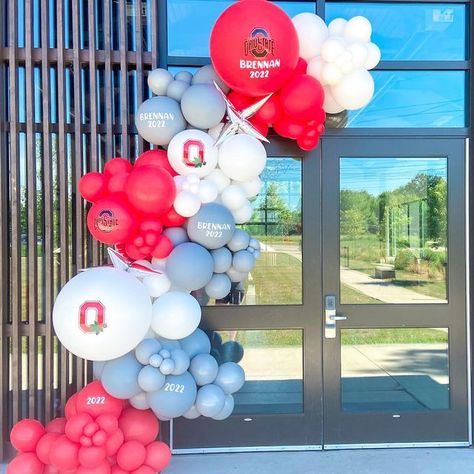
{"type": "Point", "coordinates": [231, 351]}
{"type": "Point", "coordinates": [181, 361]}
{"type": "Point", "coordinates": [139, 401]}
{"type": "Point", "coordinates": [230, 377]}
{"type": "Point", "coordinates": [203, 106]}
{"type": "Point", "coordinates": [185, 76]}
{"type": "Point", "coordinates": [204, 369]}
{"type": "Point", "coordinates": [196, 343]}
{"type": "Point", "coordinates": [222, 259]}
{"type": "Point", "coordinates": [120, 376]}
{"type": "Point", "coordinates": [192, 413]}
{"type": "Point", "coordinates": [168, 344]}
{"type": "Point", "coordinates": [176, 89]}
{"type": "Point", "coordinates": [177, 235]}
{"type": "Point", "coordinates": [219, 286]}
{"type": "Point", "coordinates": [243, 261]}
{"type": "Point", "coordinates": [229, 404]}
{"type": "Point", "coordinates": [150, 379]}
{"type": "Point", "coordinates": [189, 266]}
{"type": "Point", "coordinates": [146, 349]}
{"type": "Point", "coordinates": [254, 243]}
{"type": "Point", "coordinates": [210, 400]}
{"type": "Point", "coordinates": [97, 368]}
{"type": "Point", "coordinates": [167, 367]}
{"type": "Point", "coordinates": [239, 241]}
{"type": "Point", "coordinates": [175, 398]}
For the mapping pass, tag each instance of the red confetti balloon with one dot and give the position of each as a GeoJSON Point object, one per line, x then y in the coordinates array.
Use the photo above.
{"type": "Point", "coordinates": [56, 426]}
{"type": "Point", "coordinates": [64, 453]}
{"type": "Point", "coordinates": [25, 435]}
{"type": "Point", "coordinates": [158, 455]}
{"type": "Point", "coordinates": [95, 391]}
{"type": "Point", "coordinates": [139, 425]}
{"type": "Point", "coordinates": [93, 186]}
{"type": "Point", "coordinates": [117, 166]}
{"type": "Point", "coordinates": [254, 47]}
{"type": "Point", "coordinates": [25, 463]}
{"type": "Point", "coordinates": [131, 455]}
{"type": "Point", "coordinates": [157, 158]}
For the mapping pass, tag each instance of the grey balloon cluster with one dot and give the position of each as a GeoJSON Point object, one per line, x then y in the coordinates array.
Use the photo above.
{"type": "Point", "coordinates": [174, 378]}
{"type": "Point", "coordinates": [183, 101]}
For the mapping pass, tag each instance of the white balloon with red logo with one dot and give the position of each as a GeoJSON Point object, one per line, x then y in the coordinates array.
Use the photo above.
{"type": "Point", "coordinates": [193, 152]}
{"type": "Point", "coordinates": [102, 313]}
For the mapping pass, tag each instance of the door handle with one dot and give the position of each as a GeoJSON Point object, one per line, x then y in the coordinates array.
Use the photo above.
{"type": "Point", "coordinates": [331, 317]}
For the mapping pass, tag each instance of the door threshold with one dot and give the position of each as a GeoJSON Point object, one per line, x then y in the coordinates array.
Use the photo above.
{"type": "Point", "coordinates": [247, 449]}
{"type": "Point", "coordinates": [439, 444]}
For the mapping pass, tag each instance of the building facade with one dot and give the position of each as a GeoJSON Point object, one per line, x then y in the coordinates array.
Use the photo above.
{"type": "Point", "coordinates": [372, 226]}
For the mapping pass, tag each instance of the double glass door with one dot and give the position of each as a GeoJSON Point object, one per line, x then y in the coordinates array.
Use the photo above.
{"type": "Point", "coordinates": [352, 327]}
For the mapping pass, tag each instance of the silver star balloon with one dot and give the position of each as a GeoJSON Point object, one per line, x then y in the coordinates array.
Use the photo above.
{"type": "Point", "coordinates": [238, 120]}
{"type": "Point", "coordinates": [121, 262]}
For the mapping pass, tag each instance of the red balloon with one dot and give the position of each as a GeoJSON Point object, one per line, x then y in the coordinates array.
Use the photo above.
{"type": "Point", "coordinates": [50, 469]}
{"type": "Point", "coordinates": [44, 445]}
{"type": "Point", "coordinates": [75, 426]}
{"type": "Point", "coordinates": [262, 127]}
{"type": "Point", "coordinates": [25, 463]}
{"type": "Point", "coordinates": [92, 456]}
{"type": "Point", "coordinates": [110, 220]}
{"type": "Point", "coordinates": [108, 423]}
{"type": "Point", "coordinates": [25, 435]}
{"type": "Point", "coordinates": [254, 47]}
{"type": "Point", "coordinates": [139, 425]}
{"type": "Point", "coordinates": [271, 111]}
{"type": "Point", "coordinates": [240, 101]}
{"type": "Point", "coordinates": [151, 190]}
{"type": "Point", "coordinates": [117, 183]}
{"type": "Point", "coordinates": [93, 186]}
{"type": "Point", "coordinates": [70, 408]}
{"type": "Point", "coordinates": [172, 219]}
{"type": "Point", "coordinates": [64, 453]}
{"type": "Point", "coordinates": [135, 253]}
{"type": "Point", "coordinates": [163, 247]}
{"type": "Point", "coordinates": [308, 144]}
{"type": "Point", "coordinates": [118, 470]}
{"type": "Point", "coordinates": [103, 468]}
{"type": "Point", "coordinates": [157, 158]}
{"type": "Point", "coordinates": [131, 455]}
{"type": "Point", "coordinates": [289, 128]}
{"type": "Point", "coordinates": [110, 405]}
{"type": "Point", "coordinates": [144, 470]}
{"type": "Point", "coordinates": [99, 438]}
{"type": "Point", "coordinates": [56, 426]}
{"type": "Point", "coordinates": [158, 455]}
{"type": "Point", "coordinates": [301, 67]}
{"type": "Point", "coordinates": [114, 442]}
{"type": "Point", "coordinates": [117, 166]}
{"type": "Point", "coordinates": [302, 97]}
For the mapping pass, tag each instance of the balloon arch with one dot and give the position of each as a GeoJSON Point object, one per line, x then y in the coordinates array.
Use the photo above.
{"type": "Point", "coordinates": [171, 219]}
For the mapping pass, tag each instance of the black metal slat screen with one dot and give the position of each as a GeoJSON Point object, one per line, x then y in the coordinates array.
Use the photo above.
{"type": "Point", "coordinates": [72, 74]}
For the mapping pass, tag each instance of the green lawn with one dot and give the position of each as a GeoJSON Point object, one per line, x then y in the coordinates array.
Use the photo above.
{"type": "Point", "coordinates": [351, 296]}
{"type": "Point", "coordinates": [393, 336]}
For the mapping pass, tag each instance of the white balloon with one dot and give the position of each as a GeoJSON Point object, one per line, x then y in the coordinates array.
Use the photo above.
{"type": "Point", "coordinates": [176, 314]}
{"type": "Point", "coordinates": [346, 67]}
{"type": "Point", "coordinates": [312, 31]}
{"type": "Point", "coordinates": [233, 197]}
{"type": "Point", "coordinates": [332, 48]}
{"type": "Point", "coordinates": [214, 132]}
{"type": "Point", "coordinates": [331, 74]}
{"type": "Point", "coordinates": [187, 203]}
{"type": "Point", "coordinates": [242, 157]}
{"type": "Point", "coordinates": [330, 105]}
{"type": "Point", "coordinates": [192, 152]}
{"type": "Point", "coordinates": [219, 178]}
{"type": "Point", "coordinates": [179, 182]}
{"type": "Point", "coordinates": [251, 188]}
{"type": "Point", "coordinates": [158, 263]}
{"type": "Point", "coordinates": [315, 68]}
{"type": "Point", "coordinates": [355, 90]}
{"type": "Point", "coordinates": [373, 56]}
{"type": "Point", "coordinates": [157, 285]}
{"type": "Point", "coordinates": [159, 80]}
{"type": "Point", "coordinates": [102, 314]}
{"type": "Point", "coordinates": [359, 53]}
{"type": "Point", "coordinates": [337, 27]}
{"type": "Point", "coordinates": [208, 191]}
{"type": "Point", "coordinates": [243, 214]}
{"type": "Point", "coordinates": [358, 28]}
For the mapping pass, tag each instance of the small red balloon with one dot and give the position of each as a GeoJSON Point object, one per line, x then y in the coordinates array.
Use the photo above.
{"type": "Point", "coordinates": [139, 425]}
{"type": "Point", "coordinates": [108, 423]}
{"type": "Point", "coordinates": [25, 463]}
{"type": "Point", "coordinates": [301, 67]}
{"type": "Point", "coordinates": [131, 455]}
{"type": "Point", "coordinates": [99, 438]}
{"type": "Point", "coordinates": [262, 127]}
{"type": "Point", "coordinates": [308, 144]}
{"type": "Point", "coordinates": [103, 468]}
{"type": "Point", "coordinates": [172, 219]}
{"type": "Point", "coordinates": [70, 408]}
{"type": "Point", "coordinates": [289, 128]}
{"type": "Point", "coordinates": [25, 435]}
{"type": "Point", "coordinates": [117, 183]}
{"type": "Point", "coordinates": [163, 247]}
{"type": "Point", "coordinates": [64, 453]}
{"type": "Point", "coordinates": [75, 426]}
{"type": "Point", "coordinates": [56, 426]}
{"type": "Point", "coordinates": [110, 405]}
{"type": "Point", "coordinates": [144, 470]}
{"type": "Point", "coordinates": [117, 166]}
{"type": "Point", "coordinates": [158, 455]}
{"type": "Point", "coordinates": [43, 448]}
{"type": "Point", "coordinates": [114, 442]}
{"type": "Point", "coordinates": [93, 186]}
{"type": "Point", "coordinates": [92, 456]}
{"type": "Point", "coordinates": [157, 158]}
{"type": "Point", "coordinates": [271, 111]}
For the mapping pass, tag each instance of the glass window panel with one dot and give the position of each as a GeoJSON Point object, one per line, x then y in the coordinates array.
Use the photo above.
{"type": "Point", "coordinates": [393, 230]}
{"type": "Point", "coordinates": [273, 365]}
{"type": "Point", "coordinates": [394, 369]}
{"type": "Point", "coordinates": [277, 224]}
{"type": "Point", "coordinates": [410, 99]}
{"type": "Point", "coordinates": [190, 23]}
{"type": "Point", "coordinates": [411, 31]}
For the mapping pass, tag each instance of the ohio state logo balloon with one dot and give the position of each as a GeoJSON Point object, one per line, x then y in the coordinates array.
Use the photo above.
{"type": "Point", "coordinates": [254, 47]}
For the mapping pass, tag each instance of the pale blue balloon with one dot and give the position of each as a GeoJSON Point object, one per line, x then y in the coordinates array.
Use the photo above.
{"type": "Point", "coordinates": [203, 106]}
{"type": "Point", "coordinates": [204, 369]}
{"type": "Point", "coordinates": [177, 235]}
{"type": "Point", "coordinates": [167, 367]}
{"type": "Point", "coordinates": [222, 259]}
{"type": "Point", "coordinates": [139, 401]}
{"type": "Point", "coordinates": [239, 241]}
{"type": "Point", "coordinates": [185, 76]}
{"type": "Point", "coordinates": [168, 344]}
{"type": "Point", "coordinates": [230, 377]}
{"type": "Point", "coordinates": [229, 404]}
{"type": "Point", "coordinates": [181, 361]}
{"type": "Point", "coordinates": [192, 413]}
{"type": "Point", "coordinates": [150, 379]}
{"type": "Point", "coordinates": [120, 376]}
{"type": "Point", "coordinates": [243, 261]}
{"type": "Point", "coordinates": [219, 286]}
{"type": "Point", "coordinates": [146, 349]}
{"type": "Point", "coordinates": [97, 368]}
{"type": "Point", "coordinates": [210, 400]}
{"type": "Point", "coordinates": [196, 343]}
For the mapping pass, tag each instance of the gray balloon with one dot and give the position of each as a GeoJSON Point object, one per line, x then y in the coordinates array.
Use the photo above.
{"type": "Point", "coordinates": [243, 261]}
{"type": "Point", "coordinates": [222, 259]}
{"type": "Point", "coordinates": [219, 286]}
{"type": "Point", "coordinates": [168, 344]}
{"type": "Point", "coordinates": [204, 369]}
{"type": "Point", "coordinates": [150, 379]}
{"type": "Point", "coordinates": [158, 81]}
{"type": "Point", "coordinates": [177, 235]}
{"type": "Point", "coordinates": [192, 413]}
{"type": "Point", "coordinates": [203, 106]}
{"type": "Point", "coordinates": [175, 398]}
{"type": "Point", "coordinates": [239, 241]}
{"type": "Point", "coordinates": [254, 243]}
{"type": "Point", "coordinates": [231, 351]}
{"type": "Point", "coordinates": [189, 266]}
{"type": "Point", "coordinates": [210, 400]}
{"type": "Point", "coordinates": [257, 254]}
{"type": "Point", "coordinates": [185, 76]}
{"type": "Point", "coordinates": [215, 353]}
{"type": "Point", "coordinates": [212, 226]}
{"type": "Point", "coordinates": [207, 75]}
{"type": "Point", "coordinates": [176, 89]}
{"type": "Point", "coordinates": [119, 376]}
{"type": "Point", "coordinates": [196, 343]}
{"type": "Point", "coordinates": [181, 361]}
{"type": "Point", "coordinates": [236, 276]}
{"type": "Point", "coordinates": [146, 349]}
{"type": "Point", "coordinates": [167, 367]}
{"type": "Point", "coordinates": [159, 119]}
{"type": "Point", "coordinates": [139, 401]}
{"type": "Point", "coordinates": [230, 377]}
{"type": "Point", "coordinates": [229, 404]}
{"type": "Point", "coordinates": [97, 368]}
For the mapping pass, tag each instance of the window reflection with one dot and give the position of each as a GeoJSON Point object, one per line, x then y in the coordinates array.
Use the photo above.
{"type": "Point", "coordinates": [393, 230]}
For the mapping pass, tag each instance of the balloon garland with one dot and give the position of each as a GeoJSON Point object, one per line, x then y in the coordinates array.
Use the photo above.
{"type": "Point", "coordinates": [170, 221]}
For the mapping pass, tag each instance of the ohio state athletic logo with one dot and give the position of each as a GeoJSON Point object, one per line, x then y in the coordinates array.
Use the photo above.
{"type": "Point", "coordinates": [105, 221]}
{"type": "Point", "coordinates": [92, 311]}
{"type": "Point", "coordinates": [193, 153]}
{"type": "Point", "coordinates": [259, 44]}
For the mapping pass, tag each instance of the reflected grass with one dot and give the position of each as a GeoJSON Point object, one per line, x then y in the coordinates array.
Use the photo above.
{"type": "Point", "coordinates": [393, 336]}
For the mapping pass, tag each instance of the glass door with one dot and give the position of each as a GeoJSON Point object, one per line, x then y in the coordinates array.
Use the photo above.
{"type": "Point", "coordinates": [394, 286]}
{"type": "Point", "coordinates": [271, 325]}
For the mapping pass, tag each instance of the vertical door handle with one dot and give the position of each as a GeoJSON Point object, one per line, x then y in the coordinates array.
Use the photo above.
{"type": "Point", "coordinates": [331, 317]}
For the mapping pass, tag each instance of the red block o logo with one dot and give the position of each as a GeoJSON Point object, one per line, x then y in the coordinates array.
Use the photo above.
{"type": "Point", "coordinates": [98, 309]}
{"type": "Point", "coordinates": [196, 160]}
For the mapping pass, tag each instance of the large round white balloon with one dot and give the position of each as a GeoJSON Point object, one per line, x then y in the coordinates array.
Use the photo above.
{"type": "Point", "coordinates": [102, 314]}
{"type": "Point", "coordinates": [358, 28]}
{"type": "Point", "coordinates": [251, 188]}
{"type": "Point", "coordinates": [192, 152]}
{"type": "Point", "coordinates": [312, 31]}
{"type": "Point", "coordinates": [187, 203]}
{"type": "Point", "coordinates": [315, 68]}
{"type": "Point", "coordinates": [337, 27]}
{"type": "Point", "coordinates": [331, 74]}
{"type": "Point", "coordinates": [175, 315]}
{"type": "Point", "coordinates": [242, 157]}
{"type": "Point", "coordinates": [355, 90]}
